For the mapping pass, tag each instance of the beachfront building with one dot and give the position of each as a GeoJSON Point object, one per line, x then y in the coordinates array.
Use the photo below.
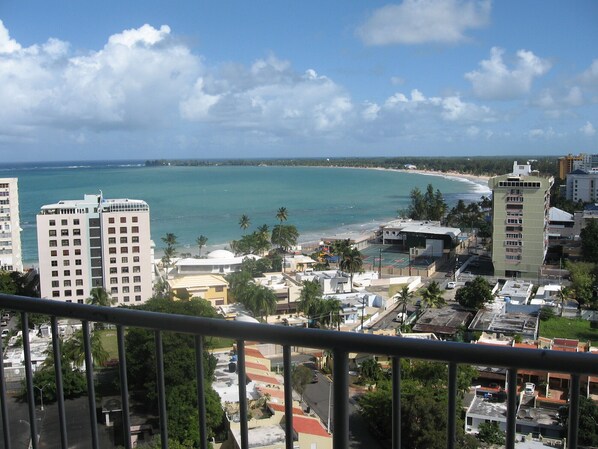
{"type": "Point", "coordinates": [10, 228]}
{"type": "Point", "coordinates": [219, 261]}
{"type": "Point", "coordinates": [520, 217]}
{"type": "Point", "coordinates": [430, 239]}
{"type": "Point", "coordinates": [95, 242]}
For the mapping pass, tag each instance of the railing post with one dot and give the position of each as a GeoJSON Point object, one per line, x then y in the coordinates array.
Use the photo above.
{"type": "Point", "coordinates": [161, 390]}
{"type": "Point", "coordinates": [59, 384]}
{"type": "Point", "coordinates": [511, 407]}
{"type": "Point", "coordinates": [91, 393]}
{"type": "Point", "coordinates": [340, 374]}
{"type": "Point", "coordinates": [124, 387]}
{"type": "Point", "coordinates": [29, 380]}
{"type": "Point", "coordinates": [4, 411]}
{"type": "Point", "coordinates": [396, 403]}
{"type": "Point", "coordinates": [242, 394]}
{"type": "Point", "coordinates": [288, 396]}
{"type": "Point", "coordinates": [201, 397]}
{"type": "Point", "coordinates": [573, 412]}
{"type": "Point", "coordinates": [451, 434]}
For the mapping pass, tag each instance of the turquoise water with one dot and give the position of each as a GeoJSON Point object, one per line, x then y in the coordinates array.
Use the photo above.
{"type": "Point", "coordinates": [189, 201]}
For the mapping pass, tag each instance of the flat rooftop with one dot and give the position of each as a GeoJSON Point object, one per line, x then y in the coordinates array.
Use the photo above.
{"type": "Point", "coordinates": [504, 322]}
{"type": "Point", "coordinates": [442, 321]}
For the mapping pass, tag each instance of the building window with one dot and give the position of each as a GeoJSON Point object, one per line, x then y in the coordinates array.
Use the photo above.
{"type": "Point", "coordinates": [68, 293]}
{"type": "Point", "coordinates": [77, 261]}
{"type": "Point", "coordinates": [111, 220]}
{"type": "Point", "coordinates": [136, 278]}
{"type": "Point", "coordinates": [76, 231]}
{"type": "Point", "coordinates": [135, 229]}
{"type": "Point", "coordinates": [79, 282]}
{"type": "Point", "coordinates": [125, 298]}
{"type": "Point", "coordinates": [125, 279]}
{"type": "Point", "coordinates": [54, 263]}
{"type": "Point", "coordinates": [52, 232]}
{"type": "Point", "coordinates": [125, 289]}
{"type": "Point", "coordinates": [123, 240]}
{"type": "Point", "coordinates": [55, 284]}
{"type": "Point", "coordinates": [135, 249]}
{"type": "Point", "coordinates": [113, 280]}
{"type": "Point", "coordinates": [67, 272]}
{"type": "Point", "coordinates": [64, 222]}
{"type": "Point", "coordinates": [125, 259]}
{"type": "Point", "coordinates": [123, 219]}
{"type": "Point", "coordinates": [114, 290]}
{"type": "Point", "coordinates": [123, 229]}
{"type": "Point", "coordinates": [137, 298]}
{"type": "Point", "coordinates": [135, 239]}
{"type": "Point", "coordinates": [55, 294]}
{"type": "Point", "coordinates": [124, 270]}
{"type": "Point", "coordinates": [111, 230]}
{"type": "Point", "coordinates": [136, 269]}
{"type": "Point", "coordinates": [52, 222]}
{"type": "Point", "coordinates": [64, 232]}
{"type": "Point", "coordinates": [65, 242]}
{"type": "Point", "coordinates": [135, 259]}
{"type": "Point", "coordinates": [66, 263]}
{"type": "Point", "coordinates": [134, 219]}
{"type": "Point", "coordinates": [219, 289]}
{"type": "Point", "coordinates": [53, 253]}
{"type": "Point", "coordinates": [76, 222]}
{"type": "Point", "coordinates": [137, 288]}
{"type": "Point", "coordinates": [77, 252]}
{"type": "Point", "coordinates": [112, 240]}
{"type": "Point", "coordinates": [65, 252]}
{"type": "Point", "coordinates": [79, 301]}
{"type": "Point", "coordinates": [80, 292]}
{"type": "Point", "coordinates": [112, 250]}
{"type": "Point", "coordinates": [67, 283]}
{"type": "Point", "coordinates": [53, 243]}
{"type": "Point", "coordinates": [124, 250]}
{"type": "Point", "coordinates": [113, 260]}
{"type": "Point", "coordinates": [54, 274]}
{"type": "Point", "coordinates": [113, 270]}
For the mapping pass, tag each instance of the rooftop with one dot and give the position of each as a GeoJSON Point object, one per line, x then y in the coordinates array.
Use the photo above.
{"type": "Point", "coordinates": [442, 321]}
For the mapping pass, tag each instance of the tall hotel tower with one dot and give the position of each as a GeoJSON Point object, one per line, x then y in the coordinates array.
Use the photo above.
{"type": "Point", "coordinates": [520, 203]}
{"type": "Point", "coordinates": [95, 242]}
{"type": "Point", "coordinates": [10, 228]}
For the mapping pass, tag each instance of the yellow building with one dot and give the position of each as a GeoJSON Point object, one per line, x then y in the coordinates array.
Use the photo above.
{"type": "Point", "coordinates": [210, 287]}
{"type": "Point", "coordinates": [566, 164]}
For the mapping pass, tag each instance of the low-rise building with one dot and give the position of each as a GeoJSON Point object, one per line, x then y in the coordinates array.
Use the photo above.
{"type": "Point", "coordinates": [212, 288]}
{"type": "Point", "coordinates": [219, 261]}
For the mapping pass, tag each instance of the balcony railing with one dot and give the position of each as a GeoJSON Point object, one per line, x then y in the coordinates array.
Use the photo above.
{"type": "Point", "coordinates": [340, 343]}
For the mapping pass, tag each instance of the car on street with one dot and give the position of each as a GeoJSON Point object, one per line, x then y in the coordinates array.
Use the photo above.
{"type": "Point", "coordinates": [451, 285]}
{"type": "Point", "coordinates": [4, 333]}
{"type": "Point", "coordinates": [314, 378]}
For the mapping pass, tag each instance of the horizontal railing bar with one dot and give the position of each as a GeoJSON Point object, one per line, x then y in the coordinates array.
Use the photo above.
{"type": "Point", "coordinates": [483, 355]}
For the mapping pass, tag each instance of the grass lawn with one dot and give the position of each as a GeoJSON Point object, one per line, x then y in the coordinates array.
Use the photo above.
{"type": "Point", "coordinates": [578, 329]}
{"type": "Point", "coordinates": [109, 342]}
{"type": "Point", "coordinates": [217, 342]}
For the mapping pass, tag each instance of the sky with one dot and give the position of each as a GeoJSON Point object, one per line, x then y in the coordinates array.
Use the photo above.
{"type": "Point", "coordinates": [270, 79]}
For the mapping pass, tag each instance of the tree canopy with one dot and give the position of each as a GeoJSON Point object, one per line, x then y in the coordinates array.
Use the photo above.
{"type": "Point", "coordinates": [426, 206]}
{"type": "Point", "coordinates": [589, 241]}
{"type": "Point", "coordinates": [475, 295]}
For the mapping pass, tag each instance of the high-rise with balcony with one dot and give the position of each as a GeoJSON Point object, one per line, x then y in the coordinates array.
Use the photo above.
{"type": "Point", "coordinates": [10, 228]}
{"type": "Point", "coordinates": [95, 242]}
{"type": "Point", "coordinates": [521, 201]}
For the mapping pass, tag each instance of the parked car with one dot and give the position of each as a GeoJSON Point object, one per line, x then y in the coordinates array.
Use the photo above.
{"type": "Point", "coordinates": [3, 323]}
{"type": "Point", "coordinates": [4, 333]}
{"type": "Point", "coordinates": [451, 285]}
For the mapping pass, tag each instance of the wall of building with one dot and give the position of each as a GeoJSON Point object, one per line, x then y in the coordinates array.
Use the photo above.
{"type": "Point", "coordinates": [10, 228]}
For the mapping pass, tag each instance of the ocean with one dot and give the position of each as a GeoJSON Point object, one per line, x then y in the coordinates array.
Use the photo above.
{"type": "Point", "coordinates": [190, 201]}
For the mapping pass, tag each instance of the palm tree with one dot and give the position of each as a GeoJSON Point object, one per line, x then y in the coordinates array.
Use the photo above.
{"type": "Point", "coordinates": [169, 251]}
{"type": "Point", "coordinates": [403, 298]}
{"type": "Point", "coordinates": [74, 349]}
{"type": "Point", "coordinates": [432, 295]}
{"type": "Point", "coordinates": [201, 242]}
{"type": "Point", "coordinates": [98, 296]}
{"type": "Point", "coordinates": [563, 295]}
{"type": "Point", "coordinates": [310, 298]}
{"type": "Point", "coordinates": [282, 214]}
{"type": "Point", "coordinates": [330, 315]}
{"type": "Point", "coordinates": [244, 222]}
{"type": "Point", "coordinates": [352, 262]}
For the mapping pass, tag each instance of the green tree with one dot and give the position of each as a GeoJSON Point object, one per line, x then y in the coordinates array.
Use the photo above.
{"type": "Point", "coordinates": [300, 377]}
{"type": "Point", "coordinates": [330, 313]}
{"type": "Point", "coordinates": [425, 206]}
{"type": "Point", "coordinates": [351, 262]}
{"type": "Point", "coordinates": [310, 298]}
{"type": "Point", "coordinates": [285, 236]}
{"type": "Point", "coordinates": [490, 433]}
{"type": "Point", "coordinates": [98, 296]}
{"type": "Point", "coordinates": [403, 298]}
{"type": "Point", "coordinates": [432, 296]}
{"type": "Point", "coordinates": [582, 282]}
{"type": "Point", "coordinates": [588, 417]}
{"type": "Point", "coordinates": [7, 283]}
{"type": "Point", "coordinates": [563, 295]}
{"type": "Point", "coordinates": [475, 295]}
{"type": "Point", "coordinates": [282, 214]}
{"type": "Point", "coordinates": [244, 222]}
{"type": "Point", "coordinates": [179, 371]}
{"type": "Point", "coordinates": [589, 241]}
{"type": "Point", "coordinates": [170, 240]}
{"type": "Point", "coordinates": [201, 242]}
{"type": "Point", "coordinates": [371, 371]}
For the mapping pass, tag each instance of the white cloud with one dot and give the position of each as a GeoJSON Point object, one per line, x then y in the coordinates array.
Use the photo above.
{"type": "Point", "coordinates": [588, 129]}
{"type": "Point", "coordinates": [590, 76]}
{"type": "Point", "coordinates": [495, 81]}
{"type": "Point", "coordinates": [424, 21]}
{"type": "Point", "coordinates": [397, 80]}
{"type": "Point", "coordinates": [370, 111]}
{"type": "Point", "coordinates": [145, 35]}
{"type": "Point", "coordinates": [7, 45]}
{"type": "Point", "coordinates": [546, 133]}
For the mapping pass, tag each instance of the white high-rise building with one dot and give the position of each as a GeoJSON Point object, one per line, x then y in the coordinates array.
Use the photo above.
{"type": "Point", "coordinates": [10, 228]}
{"type": "Point", "coordinates": [95, 242]}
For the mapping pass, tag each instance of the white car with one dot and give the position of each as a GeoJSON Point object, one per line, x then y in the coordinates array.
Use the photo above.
{"type": "Point", "coordinates": [4, 332]}
{"type": "Point", "coordinates": [451, 285]}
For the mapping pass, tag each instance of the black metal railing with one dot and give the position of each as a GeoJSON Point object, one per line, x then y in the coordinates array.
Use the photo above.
{"type": "Point", "coordinates": [340, 343]}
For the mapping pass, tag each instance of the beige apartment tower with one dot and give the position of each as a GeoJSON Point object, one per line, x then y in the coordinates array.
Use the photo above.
{"type": "Point", "coordinates": [520, 217]}
{"type": "Point", "coordinates": [95, 242]}
{"type": "Point", "coordinates": [10, 227]}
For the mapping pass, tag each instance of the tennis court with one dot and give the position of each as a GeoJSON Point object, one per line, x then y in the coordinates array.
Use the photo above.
{"type": "Point", "coordinates": [392, 256]}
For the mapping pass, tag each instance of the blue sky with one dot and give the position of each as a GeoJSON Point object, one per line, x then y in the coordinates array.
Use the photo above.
{"type": "Point", "coordinates": [187, 79]}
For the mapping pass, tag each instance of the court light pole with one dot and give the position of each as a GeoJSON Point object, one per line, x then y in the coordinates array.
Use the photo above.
{"type": "Point", "coordinates": [41, 395]}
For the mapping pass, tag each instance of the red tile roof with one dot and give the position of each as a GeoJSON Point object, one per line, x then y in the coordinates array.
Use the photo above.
{"type": "Point", "coordinates": [309, 426]}
{"type": "Point", "coordinates": [256, 366]}
{"type": "Point", "coordinates": [263, 379]}
{"type": "Point", "coordinates": [280, 408]}
{"type": "Point", "coordinates": [254, 353]}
